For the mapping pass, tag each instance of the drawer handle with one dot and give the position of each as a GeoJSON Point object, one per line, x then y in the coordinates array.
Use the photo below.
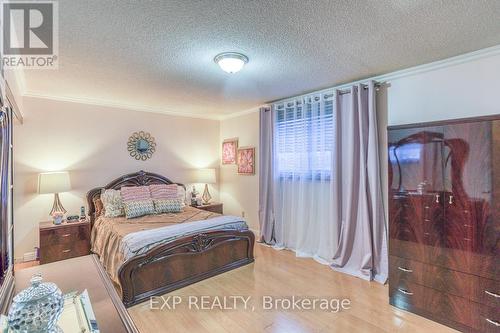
{"type": "Point", "coordinates": [66, 251]}
{"type": "Point", "coordinates": [437, 198]}
{"type": "Point", "coordinates": [492, 294]}
{"type": "Point", "coordinates": [493, 322]}
{"type": "Point", "coordinates": [66, 235]}
{"type": "Point", "coordinates": [405, 269]}
{"type": "Point", "coordinates": [406, 292]}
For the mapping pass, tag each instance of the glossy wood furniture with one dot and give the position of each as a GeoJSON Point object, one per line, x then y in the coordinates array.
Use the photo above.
{"type": "Point", "coordinates": [444, 222]}
{"type": "Point", "coordinates": [213, 207]}
{"type": "Point", "coordinates": [177, 264]}
{"type": "Point", "coordinates": [82, 273]}
{"type": "Point", "coordinates": [64, 241]}
{"type": "Point", "coordinates": [6, 203]}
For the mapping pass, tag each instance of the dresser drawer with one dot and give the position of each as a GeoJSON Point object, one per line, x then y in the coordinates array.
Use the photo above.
{"type": "Point", "coordinates": [444, 307]}
{"type": "Point", "coordinates": [488, 292]}
{"type": "Point", "coordinates": [439, 278]}
{"type": "Point", "coordinates": [489, 319]}
{"type": "Point", "coordinates": [66, 235]}
{"type": "Point", "coordinates": [475, 263]}
{"type": "Point", "coordinates": [475, 288]}
{"type": "Point", "coordinates": [56, 252]}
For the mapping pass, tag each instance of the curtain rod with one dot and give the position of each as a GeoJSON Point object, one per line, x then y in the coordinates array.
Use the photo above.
{"type": "Point", "coordinates": [377, 85]}
{"type": "Point", "coordinates": [325, 95]}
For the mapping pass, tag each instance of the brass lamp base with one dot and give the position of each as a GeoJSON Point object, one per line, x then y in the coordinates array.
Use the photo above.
{"type": "Point", "coordinates": [206, 196]}
{"type": "Point", "coordinates": [57, 206]}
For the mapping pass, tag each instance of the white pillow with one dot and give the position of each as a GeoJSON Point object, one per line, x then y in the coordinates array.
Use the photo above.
{"type": "Point", "coordinates": [181, 195]}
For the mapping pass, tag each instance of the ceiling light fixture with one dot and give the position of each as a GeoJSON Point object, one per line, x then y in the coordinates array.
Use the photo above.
{"type": "Point", "coordinates": [231, 62]}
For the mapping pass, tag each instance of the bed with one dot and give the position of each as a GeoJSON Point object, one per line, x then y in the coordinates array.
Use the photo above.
{"type": "Point", "coordinates": [197, 246]}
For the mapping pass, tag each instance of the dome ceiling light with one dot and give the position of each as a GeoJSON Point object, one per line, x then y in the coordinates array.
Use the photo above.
{"type": "Point", "coordinates": [231, 62]}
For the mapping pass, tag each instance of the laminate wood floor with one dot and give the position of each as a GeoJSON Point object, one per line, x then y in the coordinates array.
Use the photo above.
{"type": "Point", "coordinates": [279, 274]}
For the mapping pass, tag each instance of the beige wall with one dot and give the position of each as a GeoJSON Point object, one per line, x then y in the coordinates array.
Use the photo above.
{"type": "Point", "coordinates": [240, 193]}
{"type": "Point", "coordinates": [90, 142]}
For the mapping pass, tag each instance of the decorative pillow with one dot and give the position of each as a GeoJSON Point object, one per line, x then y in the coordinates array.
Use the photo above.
{"type": "Point", "coordinates": [139, 208]}
{"type": "Point", "coordinates": [135, 193]}
{"type": "Point", "coordinates": [112, 202]}
{"type": "Point", "coordinates": [163, 191]}
{"type": "Point", "coordinates": [98, 207]}
{"type": "Point", "coordinates": [167, 206]}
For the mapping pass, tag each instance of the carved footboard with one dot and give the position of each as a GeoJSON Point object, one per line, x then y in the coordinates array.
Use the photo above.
{"type": "Point", "coordinates": [183, 262]}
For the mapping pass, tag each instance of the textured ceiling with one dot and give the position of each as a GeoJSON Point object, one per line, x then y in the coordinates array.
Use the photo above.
{"type": "Point", "coordinates": [158, 55]}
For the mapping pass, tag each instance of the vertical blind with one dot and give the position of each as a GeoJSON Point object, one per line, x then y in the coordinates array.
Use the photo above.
{"type": "Point", "coordinates": [304, 138]}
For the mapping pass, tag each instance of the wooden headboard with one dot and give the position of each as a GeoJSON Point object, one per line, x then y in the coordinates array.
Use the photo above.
{"type": "Point", "coordinates": [141, 178]}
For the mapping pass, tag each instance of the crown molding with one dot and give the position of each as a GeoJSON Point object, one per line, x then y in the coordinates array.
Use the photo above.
{"type": "Point", "coordinates": [240, 113]}
{"type": "Point", "coordinates": [456, 60]}
{"type": "Point", "coordinates": [420, 69]}
{"type": "Point", "coordinates": [123, 106]}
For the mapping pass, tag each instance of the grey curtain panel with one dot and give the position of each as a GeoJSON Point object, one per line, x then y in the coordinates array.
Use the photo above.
{"type": "Point", "coordinates": [356, 189]}
{"type": "Point", "coordinates": [266, 183]}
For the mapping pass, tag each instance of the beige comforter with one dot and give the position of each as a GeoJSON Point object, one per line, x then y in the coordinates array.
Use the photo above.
{"type": "Point", "coordinates": [107, 233]}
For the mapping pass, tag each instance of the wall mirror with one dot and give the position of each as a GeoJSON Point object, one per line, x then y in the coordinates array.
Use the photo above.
{"type": "Point", "coordinates": [141, 145]}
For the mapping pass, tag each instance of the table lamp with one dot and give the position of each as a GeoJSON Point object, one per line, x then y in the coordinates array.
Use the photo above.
{"type": "Point", "coordinates": [54, 182]}
{"type": "Point", "coordinates": [206, 176]}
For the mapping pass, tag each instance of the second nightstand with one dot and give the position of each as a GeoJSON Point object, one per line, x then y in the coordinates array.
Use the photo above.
{"type": "Point", "coordinates": [64, 241]}
{"type": "Point", "coordinates": [213, 207]}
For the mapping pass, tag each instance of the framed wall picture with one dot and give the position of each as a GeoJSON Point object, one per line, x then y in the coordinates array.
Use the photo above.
{"type": "Point", "coordinates": [246, 160]}
{"type": "Point", "coordinates": [229, 148]}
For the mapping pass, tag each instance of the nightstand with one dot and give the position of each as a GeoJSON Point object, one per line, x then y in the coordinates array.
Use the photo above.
{"type": "Point", "coordinates": [64, 241]}
{"type": "Point", "coordinates": [213, 207]}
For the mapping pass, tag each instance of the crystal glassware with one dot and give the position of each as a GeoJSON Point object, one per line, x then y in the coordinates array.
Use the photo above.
{"type": "Point", "coordinates": [37, 308]}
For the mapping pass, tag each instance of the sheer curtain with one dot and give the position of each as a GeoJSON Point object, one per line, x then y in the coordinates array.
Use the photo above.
{"type": "Point", "coordinates": [320, 185]}
{"type": "Point", "coordinates": [302, 167]}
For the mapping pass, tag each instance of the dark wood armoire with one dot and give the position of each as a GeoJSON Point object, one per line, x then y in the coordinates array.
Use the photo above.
{"type": "Point", "coordinates": [8, 111]}
{"type": "Point", "coordinates": [444, 221]}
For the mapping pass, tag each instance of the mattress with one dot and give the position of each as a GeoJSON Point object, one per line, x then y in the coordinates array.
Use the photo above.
{"type": "Point", "coordinates": [117, 239]}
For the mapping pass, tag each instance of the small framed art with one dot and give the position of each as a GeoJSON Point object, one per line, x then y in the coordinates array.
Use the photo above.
{"type": "Point", "coordinates": [229, 148]}
{"type": "Point", "coordinates": [246, 160]}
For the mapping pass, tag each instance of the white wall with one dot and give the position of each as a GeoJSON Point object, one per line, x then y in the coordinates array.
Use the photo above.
{"type": "Point", "coordinates": [240, 193]}
{"type": "Point", "coordinates": [91, 143]}
{"type": "Point", "coordinates": [466, 90]}
{"type": "Point", "coordinates": [469, 89]}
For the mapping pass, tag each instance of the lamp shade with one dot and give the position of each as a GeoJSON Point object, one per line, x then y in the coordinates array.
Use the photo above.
{"type": "Point", "coordinates": [205, 176]}
{"type": "Point", "coordinates": [53, 182]}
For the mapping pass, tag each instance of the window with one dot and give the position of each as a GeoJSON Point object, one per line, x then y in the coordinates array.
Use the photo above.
{"type": "Point", "coordinates": [304, 139]}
